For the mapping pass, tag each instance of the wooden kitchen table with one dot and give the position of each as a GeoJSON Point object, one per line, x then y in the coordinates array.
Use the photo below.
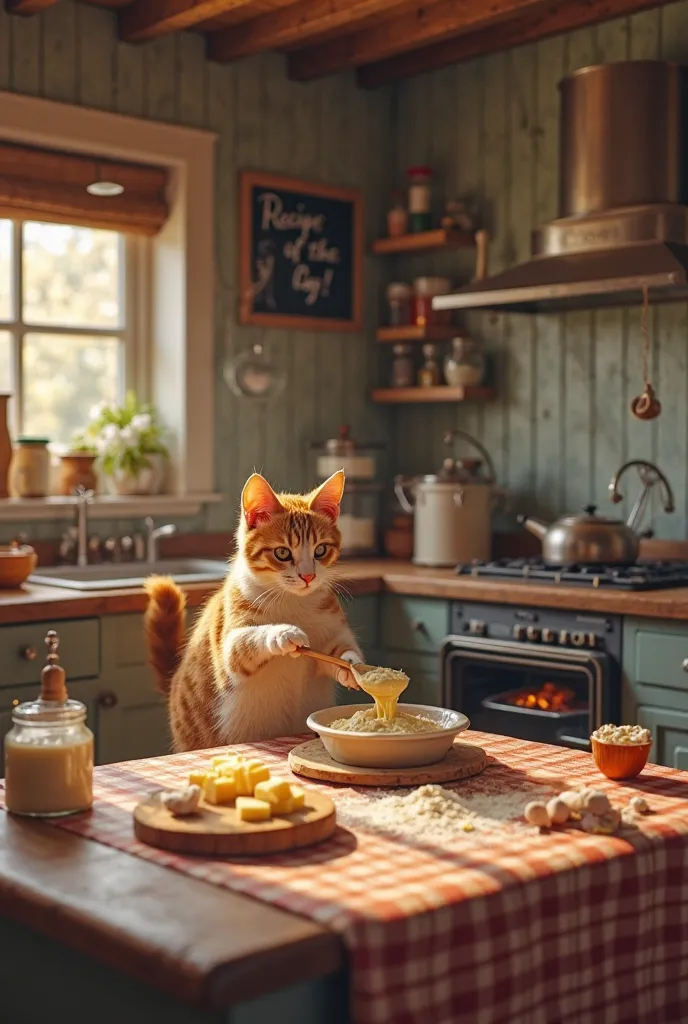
{"type": "Point", "coordinates": [517, 927]}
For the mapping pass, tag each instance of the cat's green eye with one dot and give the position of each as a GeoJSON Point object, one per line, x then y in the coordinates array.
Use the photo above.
{"type": "Point", "coordinates": [320, 551]}
{"type": "Point", "coordinates": [282, 554]}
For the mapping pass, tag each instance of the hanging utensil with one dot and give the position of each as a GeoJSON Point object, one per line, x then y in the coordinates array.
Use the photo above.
{"type": "Point", "coordinates": [646, 406]}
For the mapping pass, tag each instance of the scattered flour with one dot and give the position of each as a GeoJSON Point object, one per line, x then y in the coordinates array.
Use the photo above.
{"type": "Point", "coordinates": [434, 812]}
{"type": "Point", "coordinates": [366, 720]}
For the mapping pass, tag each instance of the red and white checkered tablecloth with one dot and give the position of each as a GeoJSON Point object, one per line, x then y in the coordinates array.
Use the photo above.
{"type": "Point", "coordinates": [557, 928]}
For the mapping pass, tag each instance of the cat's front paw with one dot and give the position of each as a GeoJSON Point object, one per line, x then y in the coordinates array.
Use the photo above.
{"type": "Point", "coordinates": [285, 639]}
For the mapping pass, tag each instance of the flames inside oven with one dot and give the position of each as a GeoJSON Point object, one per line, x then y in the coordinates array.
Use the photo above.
{"type": "Point", "coordinates": [547, 698]}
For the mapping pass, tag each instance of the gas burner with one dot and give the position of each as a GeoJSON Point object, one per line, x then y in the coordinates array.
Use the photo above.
{"type": "Point", "coordinates": [640, 576]}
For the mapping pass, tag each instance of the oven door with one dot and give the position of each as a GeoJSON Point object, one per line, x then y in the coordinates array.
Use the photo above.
{"type": "Point", "coordinates": [529, 691]}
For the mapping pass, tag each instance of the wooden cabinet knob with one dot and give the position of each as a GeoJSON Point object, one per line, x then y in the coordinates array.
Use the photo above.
{"type": "Point", "coordinates": [29, 653]}
{"type": "Point", "coordinates": [107, 699]}
{"type": "Point", "coordinates": [418, 626]}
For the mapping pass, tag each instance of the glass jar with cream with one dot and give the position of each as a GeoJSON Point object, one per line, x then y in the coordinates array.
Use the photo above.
{"type": "Point", "coordinates": [49, 750]}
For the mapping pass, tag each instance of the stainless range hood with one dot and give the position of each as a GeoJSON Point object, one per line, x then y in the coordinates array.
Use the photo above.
{"type": "Point", "coordinates": [623, 200]}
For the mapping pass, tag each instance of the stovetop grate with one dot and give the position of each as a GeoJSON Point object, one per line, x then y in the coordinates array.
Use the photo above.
{"type": "Point", "coordinates": [641, 576]}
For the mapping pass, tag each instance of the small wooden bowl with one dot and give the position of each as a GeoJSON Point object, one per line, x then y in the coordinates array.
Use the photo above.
{"type": "Point", "coordinates": [620, 760]}
{"type": "Point", "coordinates": [16, 564]}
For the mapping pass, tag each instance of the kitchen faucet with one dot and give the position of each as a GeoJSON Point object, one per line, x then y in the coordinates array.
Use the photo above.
{"type": "Point", "coordinates": [153, 533]}
{"type": "Point", "coordinates": [84, 498]}
{"type": "Point", "coordinates": [649, 475]}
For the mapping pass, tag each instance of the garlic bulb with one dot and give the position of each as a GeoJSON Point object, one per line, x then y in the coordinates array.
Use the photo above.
{"type": "Point", "coordinates": [558, 810]}
{"type": "Point", "coordinates": [182, 801]}
{"type": "Point", "coordinates": [573, 799]}
{"type": "Point", "coordinates": [639, 804]}
{"type": "Point", "coordinates": [595, 801]}
{"type": "Point", "coordinates": [537, 814]}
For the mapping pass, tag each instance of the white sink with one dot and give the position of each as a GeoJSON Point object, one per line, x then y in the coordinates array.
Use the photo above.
{"type": "Point", "coordinates": [130, 574]}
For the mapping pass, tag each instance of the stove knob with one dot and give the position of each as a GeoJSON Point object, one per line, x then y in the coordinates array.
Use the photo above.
{"type": "Point", "coordinates": [533, 633]}
{"type": "Point", "coordinates": [549, 636]}
{"type": "Point", "coordinates": [519, 633]}
{"type": "Point", "coordinates": [477, 628]}
{"type": "Point", "coordinates": [578, 639]}
{"type": "Point", "coordinates": [564, 637]}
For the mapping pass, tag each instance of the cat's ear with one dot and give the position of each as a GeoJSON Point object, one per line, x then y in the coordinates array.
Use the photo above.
{"type": "Point", "coordinates": [258, 501]}
{"type": "Point", "coordinates": [327, 499]}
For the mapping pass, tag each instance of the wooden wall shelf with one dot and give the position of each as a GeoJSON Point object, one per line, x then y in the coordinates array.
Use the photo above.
{"type": "Point", "coordinates": [425, 241]}
{"type": "Point", "coordinates": [442, 393]}
{"type": "Point", "coordinates": [433, 332]}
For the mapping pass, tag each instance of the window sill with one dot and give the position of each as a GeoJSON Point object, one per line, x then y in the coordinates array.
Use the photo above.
{"type": "Point", "coordinates": [104, 506]}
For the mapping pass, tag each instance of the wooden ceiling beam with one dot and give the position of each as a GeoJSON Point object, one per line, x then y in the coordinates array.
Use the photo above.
{"type": "Point", "coordinates": [148, 19]}
{"type": "Point", "coordinates": [292, 24]}
{"type": "Point", "coordinates": [423, 25]}
{"type": "Point", "coordinates": [27, 7]}
{"type": "Point", "coordinates": [561, 16]}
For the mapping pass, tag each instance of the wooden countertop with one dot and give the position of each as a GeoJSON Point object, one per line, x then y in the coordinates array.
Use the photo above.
{"type": "Point", "coordinates": [37, 604]}
{"type": "Point", "coordinates": [203, 945]}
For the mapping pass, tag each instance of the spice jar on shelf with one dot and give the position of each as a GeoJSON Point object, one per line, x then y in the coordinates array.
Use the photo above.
{"type": "Point", "coordinates": [399, 304]}
{"type": "Point", "coordinates": [424, 290]}
{"type": "Point", "coordinates": [403, 375]}
{"type": "Point", "coordinates": [464, 365]}
{"type": "Point", "coordinates": [429, 373]}
{"type": "Point", "coordinates": [420, 218]}
{"type": "Point", "coordinates": [397, 216]}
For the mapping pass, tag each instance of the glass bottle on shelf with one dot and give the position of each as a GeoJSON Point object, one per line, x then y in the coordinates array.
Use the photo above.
{"type": "Point", "coordinates": [429, 373]}
{"type": "Point", "coordinates": [402, 367]}
{"type": "Point", "coordinates": [420, 218]}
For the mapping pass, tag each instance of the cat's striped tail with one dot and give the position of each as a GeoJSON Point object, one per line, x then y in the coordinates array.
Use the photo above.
{"type": "Point", "coordinates": [165, 627]}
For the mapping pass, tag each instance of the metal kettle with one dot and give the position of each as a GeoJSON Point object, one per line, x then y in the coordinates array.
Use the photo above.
{"type": "Point", "coordinates": [592, 539]}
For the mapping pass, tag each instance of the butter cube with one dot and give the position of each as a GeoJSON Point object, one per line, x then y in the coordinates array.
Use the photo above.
{"type": "Point", "coordinates": [298, 797]}
{"type": "Point", "coordinates": [276, 792]}
{"type": "Point", "coordinates": [248, 775]}
{"type": "Point", "coordinates": [227, 769]}
{"type": "Point", "coordinates": [198, 778]}
{"type": "Point", "coordinates": [228, 758]}
{"type": "Point", "coordinates": [250, 809]}
{"type": "Point", "coordinates": [220, 790]}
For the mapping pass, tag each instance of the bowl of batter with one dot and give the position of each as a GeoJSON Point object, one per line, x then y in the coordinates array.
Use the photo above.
{"type": "Point", "coordinates": [418, 734]}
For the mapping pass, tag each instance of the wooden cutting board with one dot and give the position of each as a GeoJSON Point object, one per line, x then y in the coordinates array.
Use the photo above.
{"type": "Point", "coordinates": [312, 760]}
{"type": "Point", "coordinates": [216, 831]}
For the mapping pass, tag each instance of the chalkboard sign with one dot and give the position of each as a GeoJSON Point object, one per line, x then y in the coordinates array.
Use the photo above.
{"type": "Point", "coordinates": [301, 254]}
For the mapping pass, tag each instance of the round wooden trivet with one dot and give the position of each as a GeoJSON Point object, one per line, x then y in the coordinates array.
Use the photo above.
{"type": "Point", "coordinates": [217, 831]}
{"type": "Point", "coordinates": [312, 760]}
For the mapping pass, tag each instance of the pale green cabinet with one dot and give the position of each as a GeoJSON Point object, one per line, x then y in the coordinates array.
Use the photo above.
{"type": "Point", "coordinates": [415, 624]}
{"type": "Point", "coordinates": [655, 686]}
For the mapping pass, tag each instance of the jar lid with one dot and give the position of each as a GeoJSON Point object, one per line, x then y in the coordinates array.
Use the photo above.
{"type": "Point", "coordinates": [419, 172]}
{"type": "Point", "coordinates": [432, 285]}
{"type": "Point", "coordinates": [33, 440]}
{"type": "Point", "coordinates": [49, 712]}
{"type": "Point", "coordinates": [398, 290]}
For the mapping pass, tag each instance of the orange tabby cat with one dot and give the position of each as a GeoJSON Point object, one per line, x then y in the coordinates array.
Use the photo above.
{"type": "Point", "coordinates": [232, 682]}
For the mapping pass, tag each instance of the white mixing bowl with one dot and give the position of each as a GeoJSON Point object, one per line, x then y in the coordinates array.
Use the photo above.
{"type": "Point", "coordinates": [388, 750]}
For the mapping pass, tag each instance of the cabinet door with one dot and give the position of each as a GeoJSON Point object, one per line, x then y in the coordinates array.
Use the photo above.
{"type": "Point", "coordinates": [23, 651]}
{"type": "Point", "coordinates": [130, 720]}
{"type": "Point", "coordinates": [414, 624]}
{"type": "Point", "coordinates": [653, 659]}
{"type": "Point", "coordinates": [669, 735]}
{"type": "Point", "coordinates": [363, 614]}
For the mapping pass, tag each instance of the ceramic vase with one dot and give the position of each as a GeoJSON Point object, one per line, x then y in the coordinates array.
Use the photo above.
{"type": "Point", "coordinates": [77, 470]}
{"type": "Point", "coordinates": [148, 480]}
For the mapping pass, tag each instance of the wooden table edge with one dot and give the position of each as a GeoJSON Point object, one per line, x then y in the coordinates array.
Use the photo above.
{"type": "Point", "coordinates": [50, 881]}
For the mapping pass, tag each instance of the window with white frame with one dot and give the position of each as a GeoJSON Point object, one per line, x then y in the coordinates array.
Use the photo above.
{"type": "Point", "coordinates": [65, 324]}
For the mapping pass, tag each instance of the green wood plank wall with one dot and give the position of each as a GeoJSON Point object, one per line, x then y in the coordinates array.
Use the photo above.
{"type": "Point", "coordinates": [328, 131]}
{"type": "Point", "coordinates": [561, 424]}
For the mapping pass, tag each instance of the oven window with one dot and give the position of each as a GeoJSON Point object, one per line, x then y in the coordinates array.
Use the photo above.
{"type": "Point", "coordinates": [527, 702]}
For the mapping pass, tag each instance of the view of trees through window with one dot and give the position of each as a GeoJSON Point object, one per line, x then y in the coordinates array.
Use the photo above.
{"type": "Point", "coordinates": [62, 324]}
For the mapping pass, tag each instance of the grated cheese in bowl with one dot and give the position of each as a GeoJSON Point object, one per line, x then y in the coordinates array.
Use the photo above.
{"type": "Point", "coordinates": [366, 720]}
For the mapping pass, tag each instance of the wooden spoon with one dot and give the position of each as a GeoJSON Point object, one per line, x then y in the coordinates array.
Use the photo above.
{"type": "Point", "coordinates": [385, 693]}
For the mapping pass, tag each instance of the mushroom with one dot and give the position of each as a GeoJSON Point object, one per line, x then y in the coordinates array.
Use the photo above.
{"type": "Point", "coordinates": [537, 814]}
{"type": "Point", "coordinates": [573, 799]}
{"type": "Point", "coordinates": [558, 811]}
{"type": "Point", "coordinates": [639, 804]}
{"type": "Point", "coordinates": [601, 824]}
{"type": "Point", "coordinates": [595, 801]}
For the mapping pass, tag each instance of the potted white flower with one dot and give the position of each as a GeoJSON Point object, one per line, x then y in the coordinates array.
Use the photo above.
{"type": "Point", "coordinates": [130, 443]}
